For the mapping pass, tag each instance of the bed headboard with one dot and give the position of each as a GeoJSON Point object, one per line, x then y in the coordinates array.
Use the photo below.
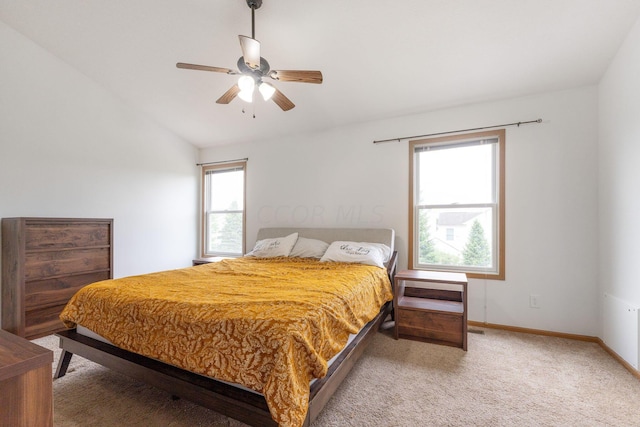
{"type": "Point", "coordinates": [373, 235]}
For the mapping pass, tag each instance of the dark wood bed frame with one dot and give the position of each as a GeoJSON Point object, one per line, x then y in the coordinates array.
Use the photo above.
{"type": "Point", "coordinates": [234, 402]}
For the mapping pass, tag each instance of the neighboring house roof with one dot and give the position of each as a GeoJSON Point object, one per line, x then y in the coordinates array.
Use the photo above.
{"type": "Point", "coordinates": [455, 218]}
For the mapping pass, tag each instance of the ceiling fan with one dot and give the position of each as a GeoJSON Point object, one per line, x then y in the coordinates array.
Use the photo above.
{"type": "Point", "coordinates": [253, 68]}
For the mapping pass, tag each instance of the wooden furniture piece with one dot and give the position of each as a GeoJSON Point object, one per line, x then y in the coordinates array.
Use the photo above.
{"type": "Point", "coordinates": [431, 306]}
{"type": "Point", "coordinates": [26, 390]}
{"type": "Point", "coordinates": [207, 260]}
{"type": "Point", "coordinates": [238, 403]}
{"type": "Point", "coordinates": [44, 262]}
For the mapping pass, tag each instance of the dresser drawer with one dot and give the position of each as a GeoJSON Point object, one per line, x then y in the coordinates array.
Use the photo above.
{"type": "Point", "coordinates": [56, 291]}
{"type": "Point", "coordinates": [44, 235]}
{"type": "Point", "coordinates": [43, 321]}
{"type": "Point", "coordinates": [41, 265]}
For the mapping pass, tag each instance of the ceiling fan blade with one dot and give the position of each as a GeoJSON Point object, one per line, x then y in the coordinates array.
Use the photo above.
{"type": "Point", "coordinates": [282, 101]}
{"type": "Point", "coordinates": [250, 51]}
{"type": "Point", "coordinates": [297, 76]}
{"type": "Point", "coordinates": [205, 68]}
{"type": "Point", "coordinates": [229, 95]}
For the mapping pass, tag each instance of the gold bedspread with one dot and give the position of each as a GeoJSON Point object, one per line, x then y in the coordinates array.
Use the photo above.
{"type": "Point", "coordinates": [268, 324]}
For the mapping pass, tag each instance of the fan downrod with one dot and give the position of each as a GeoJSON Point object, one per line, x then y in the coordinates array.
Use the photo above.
{"type": "Point", "coordinates": [253, 5]}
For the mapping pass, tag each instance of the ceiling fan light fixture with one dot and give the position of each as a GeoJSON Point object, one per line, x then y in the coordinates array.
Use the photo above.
{"type": "Point", "coordinates": [246, 83]}
{"type": "Point", "coordinates": [245, 96]}
{"type": "Point", "coordinates": [266, 90]}
{"type": "Point", "coordinates": [247, 86]}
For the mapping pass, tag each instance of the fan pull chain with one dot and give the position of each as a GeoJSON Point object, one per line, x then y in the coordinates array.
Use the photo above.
{"type": "Point", "coordinates": [254, 111]}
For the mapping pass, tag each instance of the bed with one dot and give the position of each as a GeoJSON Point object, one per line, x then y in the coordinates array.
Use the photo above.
{"type": "Point", "coordinates": [283, 375]}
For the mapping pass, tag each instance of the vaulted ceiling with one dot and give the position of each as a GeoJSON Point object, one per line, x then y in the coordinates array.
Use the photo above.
{"type": "Point", "coordinates": [379, 58]}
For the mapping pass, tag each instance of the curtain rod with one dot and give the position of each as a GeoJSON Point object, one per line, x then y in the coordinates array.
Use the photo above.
{"type": "Point", "coordinates": [222, 162]}
{"type": "Point", "coordinates": [457, 131]}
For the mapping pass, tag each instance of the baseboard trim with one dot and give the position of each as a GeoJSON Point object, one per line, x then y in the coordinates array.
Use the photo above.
{"type": "Point", "coordinates": [533, 331]}
{"type": "Point", "coordinates": [634, 371]}
{"type": "Point", "coordinates": [628, 367]}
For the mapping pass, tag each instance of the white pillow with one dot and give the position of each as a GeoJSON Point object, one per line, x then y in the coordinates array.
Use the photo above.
{"type": "Point", "coordinates": [386, 250]}
{"type": "Point", "coordinates": [357, 252]}
{"type": "Point", "coordinates": [309, 248]}
{"type": "Point", "coordinates": [279, 246]}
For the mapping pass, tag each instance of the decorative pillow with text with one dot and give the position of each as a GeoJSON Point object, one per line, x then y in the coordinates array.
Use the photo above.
{"type": "Point", "coordinates": [357, 252]}
{"type": "Point", "coordinates": [278, 246]}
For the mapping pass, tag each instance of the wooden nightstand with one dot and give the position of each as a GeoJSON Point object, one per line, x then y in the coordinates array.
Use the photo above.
{"type": "Point", "coordinates": [207, 260]}
{"type": "Point", "coordinates": [26, 385]}
{"type": "Point", "coordinates": [431, 306]}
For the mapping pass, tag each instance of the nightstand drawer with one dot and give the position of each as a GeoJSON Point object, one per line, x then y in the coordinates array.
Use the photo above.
{"type": "Point", "coordinates": [429, 325]}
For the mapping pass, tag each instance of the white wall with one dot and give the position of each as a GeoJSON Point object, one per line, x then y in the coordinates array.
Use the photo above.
{"type": "Point", "coordinates": [340, 178]}
{"type": "Point", "coordinates": [619, 173]}
{"type": "Point", "coordinates": [70, 149]}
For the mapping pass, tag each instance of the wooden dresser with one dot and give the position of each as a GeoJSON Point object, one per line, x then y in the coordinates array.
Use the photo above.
{"type": "Point", "coordinates": [44, 262]}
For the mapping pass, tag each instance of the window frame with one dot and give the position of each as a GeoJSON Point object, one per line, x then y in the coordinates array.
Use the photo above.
{"type": "Point", "coordinates": [204, 234]}
{"type": "Point", "coordinates": [499, 226]}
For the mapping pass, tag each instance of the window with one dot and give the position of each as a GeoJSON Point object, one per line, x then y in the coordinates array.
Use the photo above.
{"type": "Point", "coordinates": [223, 209]}
{"type": "Point", "coordinates": [457, 204]}
{"type": "Point", "coordinates": [450, 233]}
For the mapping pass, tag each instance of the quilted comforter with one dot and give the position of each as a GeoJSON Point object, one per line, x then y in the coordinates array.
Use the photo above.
{"type": "Point", "coordinates": [268, 324]}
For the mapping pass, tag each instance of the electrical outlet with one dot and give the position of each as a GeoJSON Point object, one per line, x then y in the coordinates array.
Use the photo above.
{"type": "Point", "coordinates": [534, 301]}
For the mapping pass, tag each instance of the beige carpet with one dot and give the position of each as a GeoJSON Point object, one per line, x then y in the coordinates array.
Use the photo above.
{"type": "Point", "coordinates": [505, 379]}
